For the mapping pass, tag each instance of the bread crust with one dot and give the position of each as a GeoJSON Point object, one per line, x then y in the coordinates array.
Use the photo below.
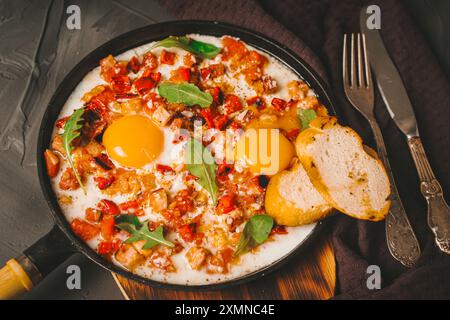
{"type": "Point", "coordinates": [286, 212]}
{"type": "Point", "coordinates": [306, 137]}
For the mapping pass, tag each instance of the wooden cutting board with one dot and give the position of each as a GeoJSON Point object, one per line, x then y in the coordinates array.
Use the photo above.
{"type": "Point", "coordinates": [310, 275]}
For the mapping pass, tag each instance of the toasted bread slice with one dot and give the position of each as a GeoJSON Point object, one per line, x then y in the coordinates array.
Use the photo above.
{"type": "Point", "coordinates": [292, 200]}
{"type": "Point", "coordinates": [350, 179]}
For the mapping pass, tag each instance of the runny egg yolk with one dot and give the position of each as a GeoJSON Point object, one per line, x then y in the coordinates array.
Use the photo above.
{"type": "Point", "coordinates": [264, 151]}
{"type": "Point", "coordinates": [133, 141]}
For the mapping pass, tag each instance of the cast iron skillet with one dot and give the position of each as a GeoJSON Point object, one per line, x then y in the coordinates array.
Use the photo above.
{"type": "Point", "coordinates": [60, 243]}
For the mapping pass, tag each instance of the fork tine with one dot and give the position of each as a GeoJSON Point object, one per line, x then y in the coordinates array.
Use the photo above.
{"type": "Point", "coordinates": [344, 62]}
{"type": "Point", "coordinates": [360, 62]}
{"type": "Point", "coordinates": [352, 62]}
{"type": "Point", "coordinates": [368, 74]}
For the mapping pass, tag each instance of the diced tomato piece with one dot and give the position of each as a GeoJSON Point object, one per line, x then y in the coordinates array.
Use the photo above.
{"type": "Point", "coordinates": [155, 76]}
{"type": "Point", "coordinates": [143, 85]}
{"type": "Point", "coordinates": [52, 163]}
{"type": "Point", "coordinates": [108, 207]}
{"type": "Point", "coordinates": [279, 104]}
{"type": "Point", "coordinates": [84, 229]}
{"type": "Point", "coordinates": [223, 170]}
{"type": "Point", "coordinates": [132, 204]}
{"type": "Point", "coordinates": [208, 116]}
{"type": "Point", "coordinates": [97, 105]}
{"type": "Point", "coordinates": [164, 169]}
{"type": "Point", "coordinates": [167, 57]}
{"type": "Point", "coordinates": [185, 73]}
{"type": "Point", "coordinates": [60, 123]}
{"type": "Point", "coordinates": [217, 95]}
{"type": "Point", "coordinates": [226, 204]}
{"type": "Point", "coordinates": [107, 227]}
{"type": "Point", "coordinates": [232, 47]}
{"type": "Point", "coordinates": [121, 84]}
{"type": "Point", "coordinates": [134, 65]}
{"type": "Point", "coordinates": [93, 215]}
{"type": "Point", "coordinates": [258, 102]}
{"type": "Point", "coordinates": [232, 104]}
{"type": "Point", "coordinates": [189, 234]}
{"type": "Point", "coordinates": [103, 183]}
{"type": "Point", "coordinates": [205, 73]}
{"type": "Point", "coordinates": [220, 122]}
{"type": "Point", "coordinates": [150, 61]}
{"type": "Point", "coordinates": [108, 247]}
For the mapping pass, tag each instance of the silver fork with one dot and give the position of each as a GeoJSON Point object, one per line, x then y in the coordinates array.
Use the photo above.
{"type": "Point", "coordinates": [402, 242]}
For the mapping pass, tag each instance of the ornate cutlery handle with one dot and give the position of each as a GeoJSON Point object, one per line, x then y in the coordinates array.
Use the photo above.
{"type": "Point", "coordinates": [438, 210]}
{"type": "Point", "coordinates": [402, 241]}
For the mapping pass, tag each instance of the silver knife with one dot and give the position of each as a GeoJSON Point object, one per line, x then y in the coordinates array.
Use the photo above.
{"type": "Point", "coordinates": [399, 107]}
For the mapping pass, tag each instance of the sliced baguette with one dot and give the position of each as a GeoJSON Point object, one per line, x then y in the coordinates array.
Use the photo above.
{"type": "Point", "coordinates": [292, 200]}
{"type": "Point", "coordinates": [350, 179]}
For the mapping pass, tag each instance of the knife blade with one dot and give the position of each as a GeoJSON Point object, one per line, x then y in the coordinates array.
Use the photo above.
{"type": "Point", "coordinates": [401, 111]}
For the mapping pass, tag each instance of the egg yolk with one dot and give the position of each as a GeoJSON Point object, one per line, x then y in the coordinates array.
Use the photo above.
{"type": "Point", "coordinates": [264, 151]}
{"type": "Point", "coordinates": [133, 141]}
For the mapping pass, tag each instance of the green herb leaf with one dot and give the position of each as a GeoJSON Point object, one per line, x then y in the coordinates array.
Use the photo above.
{"type": "Point", "coordinates": [152, 238]}
{"type": "Point", "coordinates": [199, 48]}
{"type": "Point", "coordinates": [72, 130]}
{"type": "Point", "coordinates": [201, 164]}
{"type": "Point", "coordinates": [186, 93]}
{"type": "Point", "coordinates": [128, 218]}
{"type": "Point", "coordinates": [256, 231]}
{"type": "Point", "coordinates": [306, 116]}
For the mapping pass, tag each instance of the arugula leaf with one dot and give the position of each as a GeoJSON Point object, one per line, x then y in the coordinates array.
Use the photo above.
{"type": "Point", "coordinates": [306, 116]}
{"type": "Point", "coordinates": [186, 93]}
{"type": "Point", "coordinates": [152, 238]}
{"type": "Point", "coordinates": [199, 48]}
{"type": "Point", "coordinates": [128, 218]}
{"type": "Point", "coordinates": [72, 130]}
{"type": "Point", "coordinates": [201, 164]}
{"type": "Point", "coordinates": [256, 231]}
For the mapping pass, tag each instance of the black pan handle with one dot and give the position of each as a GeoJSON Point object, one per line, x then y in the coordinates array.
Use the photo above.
{"type": "Point", "coordinates": [22, 273]}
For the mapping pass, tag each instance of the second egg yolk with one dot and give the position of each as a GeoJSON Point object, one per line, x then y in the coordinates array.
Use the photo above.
{"type": "Point", "coordinates": [264, 151]}
{"type": "Point", "coordinates": [133, 141]}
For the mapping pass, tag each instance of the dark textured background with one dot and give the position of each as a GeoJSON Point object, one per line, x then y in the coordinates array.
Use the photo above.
{"type": "Point", "coordinates": [35, 31]}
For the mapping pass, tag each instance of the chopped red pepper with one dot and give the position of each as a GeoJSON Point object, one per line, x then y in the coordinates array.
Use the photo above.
{"type": "Point", "coordinates": [190, 177]}
{"type": "Point", "coordinates": [103, 183]}
{"type": "Point", "coordinates": [108, 207]}
{"type": "Point", "coordinates": [131, 204]}
{"type": "Point", "coordinates": [205, 73]}
{"type": "Point", "coordinates": [84, 229]}
{"type": "Point", "coordinates": [155, 76]}
{"type": "Point", "coordinates": [232, 104]}
{"type": "Point", "coordinates": [279, 104]}
{"type": "Point", "coordinates": [226, 204]}
{"type": "Point", "coordinates": [164, 169]}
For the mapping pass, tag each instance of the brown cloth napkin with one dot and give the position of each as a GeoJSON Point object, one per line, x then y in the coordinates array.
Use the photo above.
{"type": "Point", "coordinates": [318, 26]}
